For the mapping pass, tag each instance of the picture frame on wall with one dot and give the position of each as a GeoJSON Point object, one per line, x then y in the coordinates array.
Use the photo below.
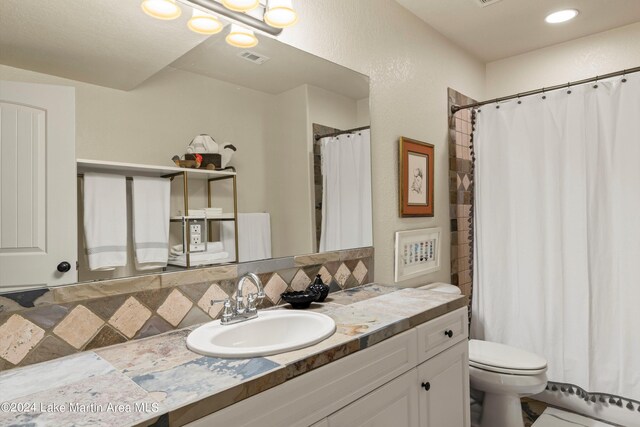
{"type": "Point", "coordinates": [416, 185]}
{"type": "Point", "coordinates": [417, 252]}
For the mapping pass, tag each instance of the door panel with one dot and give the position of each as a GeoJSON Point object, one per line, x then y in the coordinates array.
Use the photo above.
{"type": "Point", "coordinates": [37, 185]}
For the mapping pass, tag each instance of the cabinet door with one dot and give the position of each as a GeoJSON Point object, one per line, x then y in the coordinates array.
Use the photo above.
{"type": "Point", "coordinates": [37, 185]}
{"type": "Point", "coordinates": [394, 404]}
{"type": "Point", "coordinates": [444, 396]}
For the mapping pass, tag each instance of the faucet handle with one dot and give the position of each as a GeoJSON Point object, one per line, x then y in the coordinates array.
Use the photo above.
{"type": "Point", "coordinates": [227, 314]}
{"type": "Point", "coordinates": [251, 303]}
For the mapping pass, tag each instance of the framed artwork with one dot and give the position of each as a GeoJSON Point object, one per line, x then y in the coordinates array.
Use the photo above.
{"type": "Point", "coordinates": [416, 178]}
{"type": "Point", "coordinates": [417, 253]}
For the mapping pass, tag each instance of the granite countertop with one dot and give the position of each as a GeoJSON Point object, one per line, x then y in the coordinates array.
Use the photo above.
{"type": "Point", "coordinates": [157, 380]}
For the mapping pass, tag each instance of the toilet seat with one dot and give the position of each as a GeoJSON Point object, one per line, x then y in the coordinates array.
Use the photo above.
{"type": "Point", "coordinates": [504, 359]}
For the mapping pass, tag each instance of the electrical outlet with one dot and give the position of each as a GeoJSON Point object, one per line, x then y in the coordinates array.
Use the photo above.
{"type": "Point", "coordinates": [196, 234]}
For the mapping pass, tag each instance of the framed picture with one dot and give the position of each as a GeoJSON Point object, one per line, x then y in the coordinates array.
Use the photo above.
{"type": "Point", "coordinates": [416, 178]}
{"type": "Point", "coordinates": [417, 253]}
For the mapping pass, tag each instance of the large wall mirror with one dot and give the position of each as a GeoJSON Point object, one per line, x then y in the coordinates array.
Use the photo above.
{"type": "Point", "coordinates": [144, 89]}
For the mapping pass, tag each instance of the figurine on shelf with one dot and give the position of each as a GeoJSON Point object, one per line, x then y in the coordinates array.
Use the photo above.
{"type": "Point", "coordinates": [213, 155]}
{"type": "Point", "coordinates": [192, 161]}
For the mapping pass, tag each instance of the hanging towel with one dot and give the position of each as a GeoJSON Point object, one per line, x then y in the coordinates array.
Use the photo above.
{"type": "Point", "coordinates": [105, 221]}
{"type": "Point", "coordinates": [151, 205]}
{"type": "Point", "coordinates": [254, 234]}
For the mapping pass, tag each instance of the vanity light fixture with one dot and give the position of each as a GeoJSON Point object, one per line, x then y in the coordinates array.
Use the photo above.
{"type": "Point", "coordinates": [280, 13]}
{"type": "Point", "coordinates": [204, 23]}
{"type": "Point", "coordinates": [240, 36]}
{"type": "Point", "coordinates": [561, 16]}
{"type": "Point", "coordinates": [241, 5]}
{"type": "Point", "coordinates": [161, 9]}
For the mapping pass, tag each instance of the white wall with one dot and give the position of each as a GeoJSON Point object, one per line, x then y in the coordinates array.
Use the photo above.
{"type": "Point", "coordinates": [586, 57]}
{"type": "Point", "coordinates": [410, 66]}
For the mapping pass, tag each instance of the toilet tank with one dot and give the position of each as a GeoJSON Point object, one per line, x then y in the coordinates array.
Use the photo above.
{"type": "Point", "coordinates": [446, 288]}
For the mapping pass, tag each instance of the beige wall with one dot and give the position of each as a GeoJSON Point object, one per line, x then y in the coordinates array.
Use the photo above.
{"type": "Point", "coordinates": [410, 66]}
{"type": "Point", "coordinates": [582, 58]}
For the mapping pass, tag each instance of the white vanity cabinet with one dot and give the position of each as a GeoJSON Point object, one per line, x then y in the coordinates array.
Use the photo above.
{"type": "Point", "coordinates": [381, 386]}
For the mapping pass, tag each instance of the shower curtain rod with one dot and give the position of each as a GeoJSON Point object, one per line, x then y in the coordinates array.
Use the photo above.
{"type": "Point", "coordinates": [342, 132]}
{"type": "Point", "coordinates": [456, 108]}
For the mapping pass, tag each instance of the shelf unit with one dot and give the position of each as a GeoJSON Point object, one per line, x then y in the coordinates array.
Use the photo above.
{"type": "Point", "coordinates": [171, 172]}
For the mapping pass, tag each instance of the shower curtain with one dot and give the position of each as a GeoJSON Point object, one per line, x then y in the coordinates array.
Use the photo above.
{"type": "Point", "coordinates": [557, 231]}
{"type": "Point", "coordinates": [346, 197]}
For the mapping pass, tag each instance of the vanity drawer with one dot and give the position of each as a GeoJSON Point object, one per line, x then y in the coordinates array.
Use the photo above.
{"type": "Point", "coordinates": [441, 333]}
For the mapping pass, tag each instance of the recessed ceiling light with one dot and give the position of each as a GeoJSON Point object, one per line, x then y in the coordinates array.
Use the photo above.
{"type": "Point", "coordinates": [561, 16]}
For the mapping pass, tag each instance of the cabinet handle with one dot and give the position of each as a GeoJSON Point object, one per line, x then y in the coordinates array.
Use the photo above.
{"type": "Point", "coordinates": [63, 267]}
{"type": "Point", "coordinates": [448, 333]}
{"type": "Point", "coordinates": [426, 386]}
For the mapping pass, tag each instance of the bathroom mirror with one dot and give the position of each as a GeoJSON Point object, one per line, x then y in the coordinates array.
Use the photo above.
{"type": "Point", "coordinates": [145, 88]}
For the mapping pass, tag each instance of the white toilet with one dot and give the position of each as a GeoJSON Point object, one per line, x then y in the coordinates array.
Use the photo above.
{"type": "Point", "coordinates": [503, 373]}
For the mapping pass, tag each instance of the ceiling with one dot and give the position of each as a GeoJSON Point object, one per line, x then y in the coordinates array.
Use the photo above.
{"type": "Point", "coordinates": [286, 69]}
{"type": "Point", "coordinates": [511, 27]}
{"type": "Point", "coordinates": [120, 47]}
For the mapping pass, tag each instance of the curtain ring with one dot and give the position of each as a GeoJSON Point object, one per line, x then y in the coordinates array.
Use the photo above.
{"type": "Point", "coordinates": [568, 88]}
{"type": "Point", "coordinates": [543, 94]}
{"type": "Point", "coordinates": [595, 86]}
{"type": "Point", "coordinates": [519, 102]}
{"type": "Point", "coordinates": [624, 76]}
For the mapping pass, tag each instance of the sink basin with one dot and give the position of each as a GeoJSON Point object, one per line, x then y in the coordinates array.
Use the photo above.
{"type": "Point", "coordinates": [272, 332]}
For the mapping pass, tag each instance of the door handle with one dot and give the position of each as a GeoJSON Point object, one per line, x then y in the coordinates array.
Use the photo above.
{"type": "Point", "coordinates": [63, 267]}
{"type": "Point", "coordinates": [448, 333]}
{"type": "Point", "coordinates": [426, 386]}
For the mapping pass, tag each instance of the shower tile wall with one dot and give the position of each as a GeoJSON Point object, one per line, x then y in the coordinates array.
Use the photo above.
{"type": "Point", "coordinates": [41, 325]}
{"type": "Point", "coordinates": [460, 193]}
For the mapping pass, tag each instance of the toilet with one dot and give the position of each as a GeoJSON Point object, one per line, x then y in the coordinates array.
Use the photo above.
{"type": "Point", "coordinates": [503, 373]}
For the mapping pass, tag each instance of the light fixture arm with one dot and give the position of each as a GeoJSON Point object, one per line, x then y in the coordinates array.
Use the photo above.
{"type": "Point", "coordinates": [243, 18]}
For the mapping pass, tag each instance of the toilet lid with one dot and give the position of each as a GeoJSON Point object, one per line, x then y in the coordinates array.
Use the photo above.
{"type": "Point", "coordinates": [502, 358]}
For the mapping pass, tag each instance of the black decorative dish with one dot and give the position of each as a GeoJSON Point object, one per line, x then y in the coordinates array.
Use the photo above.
{"type": "Point", "coordinates": [300, 299]}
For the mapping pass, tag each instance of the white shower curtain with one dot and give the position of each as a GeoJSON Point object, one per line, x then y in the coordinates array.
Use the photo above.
{"type": "Point", "coordinates": [346, 197]}
{"type": "Point", "coordinates": [557, 232]}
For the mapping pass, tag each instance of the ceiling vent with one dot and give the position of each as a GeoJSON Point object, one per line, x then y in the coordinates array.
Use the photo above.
{"type": "Point", "coordinates": [254, 57]}
{"type": "Point", "coordinates": [485, 3]}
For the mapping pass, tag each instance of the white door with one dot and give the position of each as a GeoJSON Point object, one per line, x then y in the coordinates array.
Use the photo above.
{"type": "Point", "coordinates": [394, 404]}
{"type": "Point", "coordinates": [444, 396]}
{"type": "Point", "coordinates": [37, 185]}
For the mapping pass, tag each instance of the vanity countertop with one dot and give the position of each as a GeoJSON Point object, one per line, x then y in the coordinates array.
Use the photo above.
{"type": "Point", "coordinates": [158, 380]}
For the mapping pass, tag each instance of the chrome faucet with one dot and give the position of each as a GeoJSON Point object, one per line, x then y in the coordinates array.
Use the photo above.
{"type": "Point", "coordinates": [236, 311]}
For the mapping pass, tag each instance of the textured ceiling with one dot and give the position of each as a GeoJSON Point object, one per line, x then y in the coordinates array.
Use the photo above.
{"type": "Point", "coordinates": [105, 42]}
{"type": "Point", "coordinates": [113, 43]}
{"type": "Point", "coordinates": [286, 69]}
{"type": "Point", "coordinates": [512, 27]}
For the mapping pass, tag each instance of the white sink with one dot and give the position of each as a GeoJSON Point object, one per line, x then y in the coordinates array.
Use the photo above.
{"type": "Point", "coordinates": [272, 332]}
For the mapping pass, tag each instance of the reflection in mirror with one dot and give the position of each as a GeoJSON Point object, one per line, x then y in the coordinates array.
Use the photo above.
{"type": "Point", "coordinates": [290, 128]}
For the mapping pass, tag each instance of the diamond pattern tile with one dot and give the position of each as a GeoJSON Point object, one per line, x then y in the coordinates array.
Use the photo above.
{"type": "Point", "coordinates": [300, 281]}
{"type": "Point", "coordinates": [17, 337]}
{"type": "Point", "coordinates": [130, 317]}
{"type": "Point", "coordinates": [325, 275]}
{"type": "Point", "coordinates": [342, 275]}
{"type": "Point", "coordinates": [360, 272]}
{"type": "Point", "coordinates": [214, 292]}
{"type": "Point", "coordinates": [274, 287]}
{"type": "Point", "coordinates": [175, 307]}
{"type": "Point", "coordinates": [80, 325]}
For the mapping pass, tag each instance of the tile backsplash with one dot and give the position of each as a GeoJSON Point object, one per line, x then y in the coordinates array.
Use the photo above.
{"type": "Point", "coordinates": [45, 324]}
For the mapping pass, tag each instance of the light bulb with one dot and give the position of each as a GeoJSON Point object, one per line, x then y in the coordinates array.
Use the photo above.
{"type": "Point", "coordinates": [280, 14]}
{"type": "Point", "coordinates": [240, 5]}
{"type": "Point", "coordinates": [161, 9]}
{"type": "Point", "coordinates": [241, 37]}
{"type": "Point", "coordinates": [561, 16]}
{"type": "Point", "coordinates": [204, 23]}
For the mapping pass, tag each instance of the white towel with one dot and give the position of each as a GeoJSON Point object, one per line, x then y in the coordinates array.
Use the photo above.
{"type": "Point", "coordinates": [151, 206]}
{"type": "Point", "coordinates": [105, 221]}
{"type": "Point", "coordinates": [200, 258]}
{"type": "Point", "coordinates": [254, 234]}
{"type": "Point", "coordinates": [212, 248]}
